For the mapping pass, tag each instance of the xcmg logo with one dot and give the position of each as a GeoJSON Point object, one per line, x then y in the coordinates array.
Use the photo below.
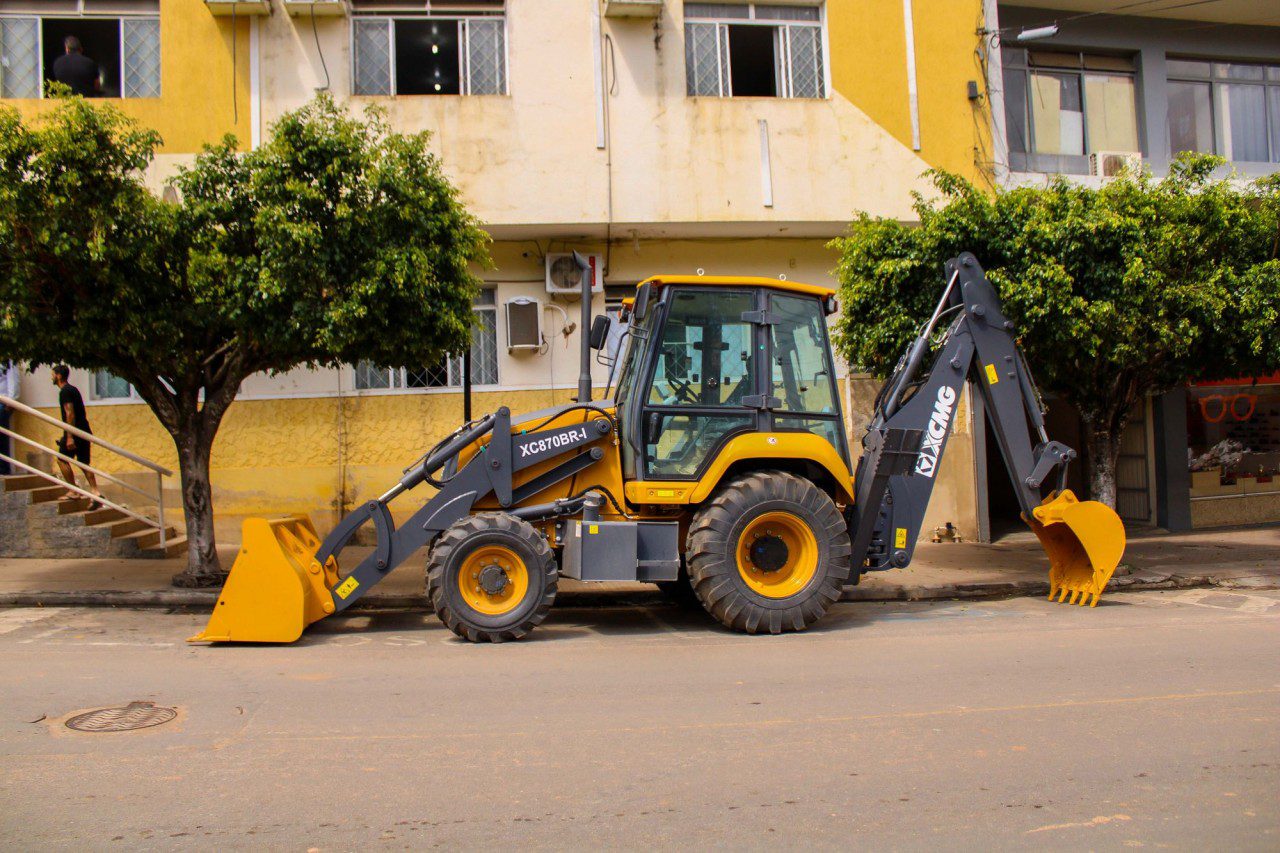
{"type": "Point", "coordinates": [936, 432]}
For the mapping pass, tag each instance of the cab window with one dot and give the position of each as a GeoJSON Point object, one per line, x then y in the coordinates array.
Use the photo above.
{"type": "Point", "coordinates": [803, 378]}
{"type": "Point", "coordinates": [705, 366]}
{"type": "Point", "coordinates": [705, 353]}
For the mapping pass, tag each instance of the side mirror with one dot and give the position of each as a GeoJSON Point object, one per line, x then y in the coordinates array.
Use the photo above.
{"type": "Point", "coordinates": [600, 331]}
{"type": "Point", "coordinates": [641, 306]}
{"type": "Point", "coordinates": [653, 428]}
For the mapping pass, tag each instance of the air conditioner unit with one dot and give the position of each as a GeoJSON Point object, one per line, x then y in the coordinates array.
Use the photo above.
{"type": "Point", "coordinates": [632, 8]}
{"type": "Point", "coordinates": [564, 279]}
{"type": "Point", "coordinates": [1108, 164]}
{"type": "Point", "coordinates": [524, 324]}
{"type": "Point", "coordinates": [319, 8]}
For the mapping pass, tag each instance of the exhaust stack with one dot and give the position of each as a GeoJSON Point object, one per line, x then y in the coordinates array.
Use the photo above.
{"type": "Point", "coordinates": [584, 325]}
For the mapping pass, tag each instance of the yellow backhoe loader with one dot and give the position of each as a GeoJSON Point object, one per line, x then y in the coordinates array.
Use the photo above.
{"type": "Point", "coordinates": [718, 466]}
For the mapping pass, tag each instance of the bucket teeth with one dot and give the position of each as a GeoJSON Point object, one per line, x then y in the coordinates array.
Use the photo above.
{"type": "Point", "coordinates": [1085, 594]}
{"type": "Point", "coordinates": [1084, 541]}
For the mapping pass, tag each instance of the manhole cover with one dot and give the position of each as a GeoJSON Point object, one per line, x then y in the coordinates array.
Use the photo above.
{"type": "Point", "coordinates": [135, 715]}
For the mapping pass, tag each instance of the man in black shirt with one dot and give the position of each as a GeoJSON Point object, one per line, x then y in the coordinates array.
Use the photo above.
{"type": "Point", "coordinates": [71, 405]}
{"type": "Point", "coordinates": [75, 69]}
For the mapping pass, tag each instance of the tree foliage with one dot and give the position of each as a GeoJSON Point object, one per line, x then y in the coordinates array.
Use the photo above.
{"type": "Point", "coordinates": [1117, 291]}
{"type": "Point", "coordinates": [337, 240]}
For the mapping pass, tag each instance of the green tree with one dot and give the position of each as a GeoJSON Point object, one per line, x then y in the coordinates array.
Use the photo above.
{"type": "Point", "coordinates": [337, 240]}
{"type": "Point", "coordinates": [1118, 291]}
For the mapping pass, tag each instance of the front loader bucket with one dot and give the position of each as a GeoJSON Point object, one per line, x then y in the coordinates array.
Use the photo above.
{"type": "Point", "coordinates": [1084, 541]}
{"type": "Point", "coordinates": [275, 588]}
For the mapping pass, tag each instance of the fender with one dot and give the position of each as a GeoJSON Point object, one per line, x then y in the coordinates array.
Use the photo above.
{"type": "Point", "coordinates": [763, 446]}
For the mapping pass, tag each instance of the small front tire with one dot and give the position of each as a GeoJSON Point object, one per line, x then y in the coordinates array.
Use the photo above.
{"type": "Point", "coordinates": [491, 577]}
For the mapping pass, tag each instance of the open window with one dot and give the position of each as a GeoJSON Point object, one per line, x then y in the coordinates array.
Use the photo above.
{"type": "Point", "coordinates": [753, 50]}
{"type": "Point", "coordinates": [122, 39]}
{"type": "Point", "coordinates": [429, 52]}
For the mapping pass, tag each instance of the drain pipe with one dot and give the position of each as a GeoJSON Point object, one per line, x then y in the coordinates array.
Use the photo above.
{"type": "Point", "coordinates": [584, 324]}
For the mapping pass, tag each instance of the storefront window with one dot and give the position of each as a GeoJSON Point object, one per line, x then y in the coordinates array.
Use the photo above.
{"type": "Point", "coordinates": [1233, 437]}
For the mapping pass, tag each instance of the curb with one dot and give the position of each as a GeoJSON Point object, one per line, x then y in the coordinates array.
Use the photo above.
{"type": "Point", "coordinates": [205, 598]}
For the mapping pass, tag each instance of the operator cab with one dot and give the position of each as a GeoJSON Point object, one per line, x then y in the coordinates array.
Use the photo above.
{"type": "Point", "coordinates": [707, 358]}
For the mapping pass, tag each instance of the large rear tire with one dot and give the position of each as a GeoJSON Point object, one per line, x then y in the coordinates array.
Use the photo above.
{"type": "Point", "coordinates": [491, 578]}
{"type": "Point", "coordinates": [769, 553]}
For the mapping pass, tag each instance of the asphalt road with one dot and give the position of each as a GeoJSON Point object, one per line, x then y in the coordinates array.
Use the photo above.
{"type": "Point", "coordinates": [1148, 721]}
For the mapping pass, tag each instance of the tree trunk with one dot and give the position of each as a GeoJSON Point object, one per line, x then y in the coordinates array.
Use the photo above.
{"type": "Point", "coordinates": [203, 567]}
{"type": "Point", "coordinates": [1103, 443]}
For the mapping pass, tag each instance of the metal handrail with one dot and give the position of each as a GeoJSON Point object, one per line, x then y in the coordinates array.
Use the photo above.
{"type": "Point", "coordinates": [98, 471]}
{"type": "Point", "coordinates": [160, 471]}
{"type": "Point", "coordinates": [58, 481]}
{"type": "Point", "coordinates": [87, 436]}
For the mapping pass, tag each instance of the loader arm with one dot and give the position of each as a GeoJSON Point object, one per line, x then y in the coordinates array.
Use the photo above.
{"type": "Point", "coordinates": [909, 429]}
{"type": "Point", "coordinates": [305, 582]}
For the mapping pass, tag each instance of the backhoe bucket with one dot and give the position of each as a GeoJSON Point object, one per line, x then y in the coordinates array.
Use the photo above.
{"type": "Point", "coordinates": [1084, 541]}
{"type": "Point", "coordinates": [275, 588]}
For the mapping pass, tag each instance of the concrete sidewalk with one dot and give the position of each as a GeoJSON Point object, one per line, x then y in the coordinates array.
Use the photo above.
{"type": "Point", "coordinates": [1015, 566]}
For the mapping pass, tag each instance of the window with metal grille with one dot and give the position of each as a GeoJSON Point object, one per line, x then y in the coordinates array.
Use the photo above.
{"type": "Point", "coordinates": [753, 50]}
{"type": "Point", "coordinates": [459, 49]}
{"type": "Point", "coordinates": [125, 49]}
{"type": "Point", "coordinates": [108, 386]}
{"type": "Point", "coordinates": [448, 373]}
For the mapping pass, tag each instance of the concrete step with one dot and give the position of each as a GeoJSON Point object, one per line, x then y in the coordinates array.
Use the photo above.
{"type": "Point", "coordinates": [21, 482]}
{"type": "Point", "coordinates": [125, 526]}
{"type": "Point", "coordinates": [148, 538]}
{"type": "Point", "coordinates": [47, 493]}
{"type": "Point", "coordinates": [175, 547]}
{"type": "Point", "coordinates": [102, 516]}
{"type": "Point", "coordinates": [34, 523]}
{"type": "Point", "coordinates": [78, 505]}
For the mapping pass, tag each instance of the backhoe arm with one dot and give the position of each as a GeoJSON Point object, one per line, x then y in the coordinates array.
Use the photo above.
{"type": "Point", "coordinates": [908, 433]}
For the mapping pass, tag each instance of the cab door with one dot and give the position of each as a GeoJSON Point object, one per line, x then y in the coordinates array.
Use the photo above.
{"type": "Point", "coordinates": [802, 377]}
{"type": "Point", "coordinates": [704, 382]}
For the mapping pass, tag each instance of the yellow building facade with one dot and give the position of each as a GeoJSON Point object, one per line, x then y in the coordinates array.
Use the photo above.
{"type": "Point", "coordinates": [659, 137]}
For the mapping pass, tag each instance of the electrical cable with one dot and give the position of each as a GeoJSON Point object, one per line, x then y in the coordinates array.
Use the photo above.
{"type": "Point", "coordinates": [565, 411]}
{"type": "Point", "coordinates": [316, 35]}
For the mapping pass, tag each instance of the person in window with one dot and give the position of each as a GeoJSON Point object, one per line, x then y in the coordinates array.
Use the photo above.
{"type": "Point", "coordinates": [77, 70]}
{"type": "Point", "coordinates": [71, 405]}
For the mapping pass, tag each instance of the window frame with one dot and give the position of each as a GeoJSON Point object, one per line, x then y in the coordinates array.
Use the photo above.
{"type": "Point", "coordinates": [782, 62]}
{"type": "Point", "coordinates": [390, 17]}
{"type": "Point", "coordinates": [119, 17]}
{"type": "Point", "coordinates": [486, 301]}
{"type": "Point", "coordinates": [94, 396]}
{"type": "Point", "coordinates": [1268, 82]}
{"type": "Point", "coordinates": [1033, 161]}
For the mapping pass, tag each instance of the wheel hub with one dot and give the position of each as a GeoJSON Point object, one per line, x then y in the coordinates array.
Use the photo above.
{"type": "Point", "coordinates": [493, 579]}
{"type": "Point", "coordinates": [769, 553]}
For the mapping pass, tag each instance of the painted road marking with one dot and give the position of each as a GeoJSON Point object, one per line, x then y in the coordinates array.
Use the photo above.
{"type": "Point", "coordinates": [12, 620]}
{"type": "Point", "coordinates": [1226, 599]}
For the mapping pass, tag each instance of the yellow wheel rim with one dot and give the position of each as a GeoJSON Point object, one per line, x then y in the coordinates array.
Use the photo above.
{"type": "Point", "coordinates": [777, 554]}
{"type": "Point", "coordinates": [493, 580]}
